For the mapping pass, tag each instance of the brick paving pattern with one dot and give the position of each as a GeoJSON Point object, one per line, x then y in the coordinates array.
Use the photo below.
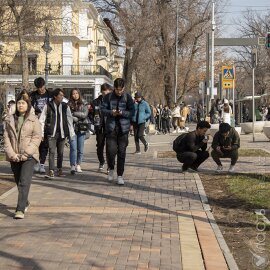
{"type": "Point", "coordinates": [84, 222]}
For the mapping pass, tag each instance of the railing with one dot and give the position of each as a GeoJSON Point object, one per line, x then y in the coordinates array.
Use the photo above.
{"type": "Point", "coordinates": [69, 70]}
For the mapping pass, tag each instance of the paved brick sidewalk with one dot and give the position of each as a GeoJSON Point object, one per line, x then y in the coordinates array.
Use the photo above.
{"type": "Point", "coordinates": [156, 221]}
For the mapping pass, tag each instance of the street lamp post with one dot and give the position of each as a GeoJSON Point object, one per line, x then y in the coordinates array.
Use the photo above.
{"type": "Point", "coordinates": [47, 49]}
{"type": "Point", "coordinates": [176, 52]}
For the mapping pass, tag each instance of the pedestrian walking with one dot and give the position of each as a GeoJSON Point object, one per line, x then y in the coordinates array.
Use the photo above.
{"type": "Point", "coordinates": [176, 118]}
{"type": "Point", "coordinates": [226, 143]}
{"type": "Point", "coordinates": [118, 108]}
{"type": "Point", "coordinates": [141, 115]}
{"type": "Point", "coordinates": [39, 99]}
{"type": "Point", "coordinates": [56, 120]}
{"type": "Point", "coordinates": [98, 120]}
{"type": "Point", "coordinates": [79, 111]}
{"type": "Point", "coordinates": [184, 113]}
{"type": "Point", "coordinates": [22, 138]}
{"type": "Point", "coordinates": [166, 116]}
{"type": "Point", "coordinates": [226, 112]}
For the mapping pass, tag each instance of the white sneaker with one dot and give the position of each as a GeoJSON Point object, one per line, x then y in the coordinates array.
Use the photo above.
{"type": "Point", "coordinates": [78, 169]}
{"type": "Point", "coordinates": [36, 168]}
{"type": "Point", "coordinates": [110, 175]}
{"type": "Point", "coordinates": [219, 169]}
{"type": "Point", "coordinates": [231, 169]}
{"type": "Point", "coordinates": [42, 168]}
{"type": "Point", "coordinates": [186, 129]}
{"type": "Point", "coordinates": [73, 169]}
{"type": "Point", "coordinates": [120, 180]}
{"type": "Point", "coordinates": [174, 131]}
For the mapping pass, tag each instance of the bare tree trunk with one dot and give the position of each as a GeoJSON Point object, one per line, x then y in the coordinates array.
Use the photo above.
{"type": "Point", "coordinates": [127, 70]}
{"type": "Point", "coordinates": [24, 58]}
{"type": "Point", "coordinates": [18, 18]}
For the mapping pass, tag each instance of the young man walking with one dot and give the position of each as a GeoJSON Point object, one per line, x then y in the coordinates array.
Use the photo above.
{"type": "Point", "coordinates": [56, 119]}
{"type": "Point", "coordinates": [142, 114]}
{"type": "Point", "coordinates": [99, 122]}
{"type": "Point", "coordinates": [39, 99]}
{"type": "Point", "coordinates": [118, 108]}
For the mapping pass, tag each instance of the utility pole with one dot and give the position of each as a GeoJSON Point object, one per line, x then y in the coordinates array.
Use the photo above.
{"type": "Point", "coordinates": [212, 53]}
{"type": "Point", "coordinates": [176, 52]}
{"type": "Point", "coordinates": [254, 64]}
{"type": "Point", "coordinates": [207, 72]}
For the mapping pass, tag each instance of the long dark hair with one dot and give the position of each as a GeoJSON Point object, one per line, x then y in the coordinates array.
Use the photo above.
{"type": "Point", "coordinates": [75, 104]}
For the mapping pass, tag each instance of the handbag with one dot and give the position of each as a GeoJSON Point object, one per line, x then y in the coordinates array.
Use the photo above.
{"type": "Point", "coordinates": [83, 127]}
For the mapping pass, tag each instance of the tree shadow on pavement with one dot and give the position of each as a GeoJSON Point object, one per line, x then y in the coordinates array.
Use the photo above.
{"type": "Point", "coordinates": [25, 263]}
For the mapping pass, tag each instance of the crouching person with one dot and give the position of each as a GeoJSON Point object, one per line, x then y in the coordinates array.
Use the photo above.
{"type": "Point", "coordinates": [22, 138]}
{"type": "Point", "coordinates": [191, 149]}
{"type": "Point", "coordinates": [225, 145]}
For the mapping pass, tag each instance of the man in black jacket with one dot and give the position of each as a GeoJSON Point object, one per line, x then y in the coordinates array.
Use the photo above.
{"type": "Point", "coordinates": [225, 145]}
{"type": "Point", "coordinates": [192, 150]}
{"type": "Point", "coordinates": [118, 108]}
{"type": "Point", "coordinates": [99, 123]}
{"type": "Point", "coordinates": [39, 99]}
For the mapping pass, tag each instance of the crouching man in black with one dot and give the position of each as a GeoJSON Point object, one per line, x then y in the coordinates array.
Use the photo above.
{"type": "Point", "coordinates": [225, 145]}
{"type": "Point", "coordinates": [192, 151]}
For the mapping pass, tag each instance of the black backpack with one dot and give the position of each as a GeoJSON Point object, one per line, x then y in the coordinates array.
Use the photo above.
{"type": "Point", "coordinates": [178, 141]}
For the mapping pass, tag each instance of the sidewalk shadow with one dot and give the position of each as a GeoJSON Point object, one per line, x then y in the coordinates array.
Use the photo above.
{"type": "Point", "coordinates": [26, 263]}
{"type": "Point", "coordinates": [4, 210]}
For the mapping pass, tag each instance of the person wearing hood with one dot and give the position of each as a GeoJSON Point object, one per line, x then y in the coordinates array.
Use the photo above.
{"type": "Point", "coordinates": [141, 115]}
{"type": "Point", "coordinates": [22, 138]}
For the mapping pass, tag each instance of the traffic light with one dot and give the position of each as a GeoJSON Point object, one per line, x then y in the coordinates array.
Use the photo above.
{"type": "Point", "coordinates": [268, 40]}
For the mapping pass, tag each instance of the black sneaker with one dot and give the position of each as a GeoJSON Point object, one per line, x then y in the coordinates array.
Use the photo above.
{"type": "Point", "coordinates": [146, 147]}
{"type": "Point", "coordinates": [184, 168]}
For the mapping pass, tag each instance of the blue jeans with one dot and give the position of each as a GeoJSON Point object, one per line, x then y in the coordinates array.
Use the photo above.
{"type": "Point", "coordinates": [76, 149]}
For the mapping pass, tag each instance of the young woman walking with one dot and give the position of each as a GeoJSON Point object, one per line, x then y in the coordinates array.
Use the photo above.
{"type": "Point", "coordinates": [79, 110]}
{"type": "Point", "coordinates": [22, 138]}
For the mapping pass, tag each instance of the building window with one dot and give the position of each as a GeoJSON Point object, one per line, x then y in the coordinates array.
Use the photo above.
{"type": "Point", "coordinates": [32, 65]}
{"type": "Point", "coordinates": [102, 51]}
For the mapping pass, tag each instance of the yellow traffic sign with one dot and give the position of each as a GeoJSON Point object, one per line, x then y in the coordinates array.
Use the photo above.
{"type": "Point", "coordinates": [228, 77]}
{"type": "Point", "coordinates": [228, 73]}
{"type": "Point", "coordinates": [228, 84]}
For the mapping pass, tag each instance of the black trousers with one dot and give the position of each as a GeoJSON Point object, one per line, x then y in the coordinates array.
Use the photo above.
{"type": "Point", "coordinates": [43, 150]}
{"type": "Point", "coordinates": [139, 135]}
{"type": "Point", "coordinates": [116, 144]}
{"type": "Point", "coordinates": [165, 125]}
{"type": "Point", "coordinates": [233, 155]}
{"type": "Point", "coordinates": [100, 138]}
{"type": "Point", "coordinates": [23, 173]}
{"type": "Point", "coordinates": [192, 159]}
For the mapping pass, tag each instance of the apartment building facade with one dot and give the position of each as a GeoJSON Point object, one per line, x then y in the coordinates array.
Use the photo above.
{"type": "Point", "coordinates": [83, 55]}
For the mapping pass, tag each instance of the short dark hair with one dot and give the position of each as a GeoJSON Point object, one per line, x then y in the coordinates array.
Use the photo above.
{"type": "Point", "coordinates": [203, 124]}
{"type": "Point", "coordinates": [39, 82]}
{"type": "Point", "coordinates": [105, 86]}
{"type": "Point", "coordinates": [57, 91]}
{"type": "Point", "coordinates": [119, 82]}
{"type": "Point", "coordinates": [24, 97]}
{"type": "Point", "coordinates": [224, 128]}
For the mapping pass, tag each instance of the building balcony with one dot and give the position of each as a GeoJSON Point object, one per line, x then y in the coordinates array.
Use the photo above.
{"type": "Point", "coordinates": [66, 70]}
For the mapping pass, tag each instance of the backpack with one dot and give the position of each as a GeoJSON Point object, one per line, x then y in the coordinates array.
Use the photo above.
{"type": "Point", "coordinates": [177, 143]}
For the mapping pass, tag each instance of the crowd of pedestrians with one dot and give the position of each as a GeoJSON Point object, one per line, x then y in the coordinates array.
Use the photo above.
{"type": "Point", "coordinates": [41, 123]}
